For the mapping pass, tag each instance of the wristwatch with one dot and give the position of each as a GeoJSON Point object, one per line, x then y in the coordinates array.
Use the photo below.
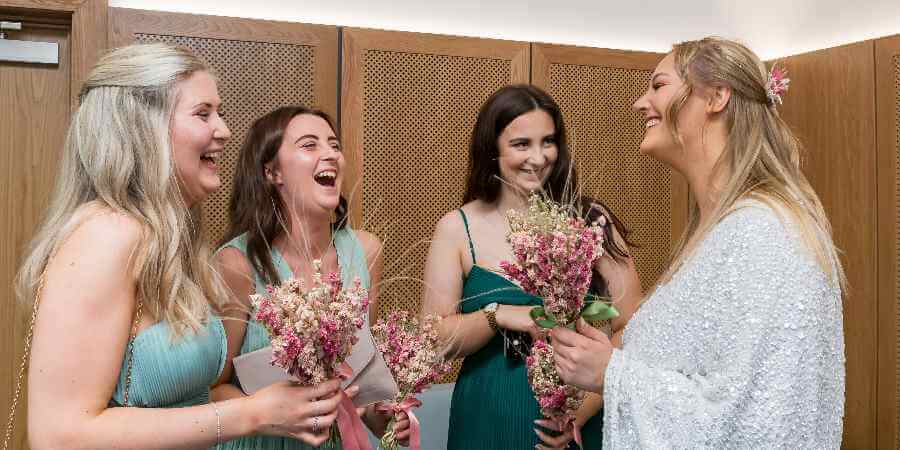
{"type": "Point", "coordinates": [490, 311]}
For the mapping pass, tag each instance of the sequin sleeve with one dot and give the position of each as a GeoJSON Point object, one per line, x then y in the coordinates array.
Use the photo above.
{"type": "Point", "coordinates": [742, 349]}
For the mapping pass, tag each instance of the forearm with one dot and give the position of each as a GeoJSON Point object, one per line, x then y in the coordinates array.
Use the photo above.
{"type": "Point", "coordinates": [225, 391]}
{"type": "Point", "coordinates": [593, 403]}
{"type": "Point", "coordinates": [465, 333]}
{"type": "Point", "coordinates": [139, 428]}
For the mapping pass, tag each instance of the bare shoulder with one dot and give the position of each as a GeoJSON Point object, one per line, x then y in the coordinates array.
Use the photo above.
{"type": "Point", "coordinates": [98, 232]}
{"type": "Point", "coordinates": [233, 261]}
{"type": "Point", "coordinates": [370, 242]}
{"type": "Point", "coordinates": [452, 224]}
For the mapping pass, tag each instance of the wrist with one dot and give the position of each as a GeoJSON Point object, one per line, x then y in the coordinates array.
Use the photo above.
{"type": "Point", "coordinates": [248, 419]}
{"type": "Point", "coordinates": [491, 313]}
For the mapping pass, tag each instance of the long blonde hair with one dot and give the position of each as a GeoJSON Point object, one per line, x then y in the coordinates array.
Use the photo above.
{"type": "Point", "coordinates": [761, 157]}
{"type": "Point", "coordinates": [118, 154]}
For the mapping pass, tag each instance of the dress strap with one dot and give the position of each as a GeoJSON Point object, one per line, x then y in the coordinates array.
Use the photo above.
{"type": "Point", "coordinates": [471, 245]}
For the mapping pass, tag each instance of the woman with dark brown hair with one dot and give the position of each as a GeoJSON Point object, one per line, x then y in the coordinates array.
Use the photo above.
{"type": "Point", "coordinates": [287, 211]}
{"type": "Point", "coordinates": [518, 147]}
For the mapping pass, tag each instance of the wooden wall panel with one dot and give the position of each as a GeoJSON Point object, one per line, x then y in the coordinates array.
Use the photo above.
{"type": "Point", "coordinates": [595, 89]}
{"type": "Point", "coordinates": [887, 90]}
{"type": "Point", "coordinates": [36, 101]}
{"type": "Point", "coordinates": [409, 102]}
{"type": "Point", "coordinates": [831, 106]}
{"type": "Point", "coordinates": [261, 65]}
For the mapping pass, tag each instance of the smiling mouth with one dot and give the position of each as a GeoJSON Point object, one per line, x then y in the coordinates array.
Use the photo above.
{"type": "Point", "coordinates": [326, 178]}
{"type": "Point", "coordinates": [652, 123]}
{"type": "Point", "coordinates": [211, 157]}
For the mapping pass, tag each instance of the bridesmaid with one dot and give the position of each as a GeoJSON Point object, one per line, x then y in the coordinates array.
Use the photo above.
{"type": "Point", "coordinates": [124, 281]}
{"type": "Point", "coordinates": [742, 343]}
{"type": "Point", "coordinates": [518, 147]}
{"type": "Point", "coordinates": [286, 211]}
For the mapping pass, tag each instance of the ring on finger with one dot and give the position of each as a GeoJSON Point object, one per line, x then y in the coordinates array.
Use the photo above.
{"type": "Point", "coordinates": [316, 425]}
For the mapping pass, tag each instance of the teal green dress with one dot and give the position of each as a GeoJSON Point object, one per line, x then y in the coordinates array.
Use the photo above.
{"type": "Point", "coordinates": [173, 373]}
{"type": "Point", "coordinates": [351, 262]}
{"type": "Point", "coordinates": [493, 406]}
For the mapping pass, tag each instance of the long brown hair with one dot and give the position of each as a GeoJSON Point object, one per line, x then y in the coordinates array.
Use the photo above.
{"type": "Point", "coordinates": [483, 178]}
{"type": "Point", "coordinates": [256, 207]}
{"type": "Point", "coordinates": [761, 156]}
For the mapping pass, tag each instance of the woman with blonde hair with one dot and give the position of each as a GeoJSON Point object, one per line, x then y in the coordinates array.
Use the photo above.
{"type": "Point", "coordinates": [122, 283]}
{"type": "Point", "coordinates": [741, 343]}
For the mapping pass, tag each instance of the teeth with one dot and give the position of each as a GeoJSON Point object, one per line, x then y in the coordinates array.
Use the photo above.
{"type": "Point", "coordinates": [213, 155]}
{"type": "Point", "coordinates": [327, 174]}
{"type": "Point", "coordinates": [652, 123]}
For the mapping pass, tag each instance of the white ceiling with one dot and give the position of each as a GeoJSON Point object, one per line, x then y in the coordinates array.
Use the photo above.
{"type": "Point", "coordinates": [772, 28]}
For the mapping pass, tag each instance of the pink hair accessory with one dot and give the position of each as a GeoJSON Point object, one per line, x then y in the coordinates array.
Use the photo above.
{"type": "Point", "coordinates": [777, 84]}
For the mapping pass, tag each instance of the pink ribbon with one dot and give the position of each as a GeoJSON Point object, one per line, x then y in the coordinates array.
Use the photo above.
{"type": "Point", "coordinates": [353, 432]}
{"type": "Point", "coordinates": [406, 406]}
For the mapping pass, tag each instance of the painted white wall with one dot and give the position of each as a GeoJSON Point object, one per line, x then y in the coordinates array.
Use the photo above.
{"type": "Point", "coordinates": [773, 28]}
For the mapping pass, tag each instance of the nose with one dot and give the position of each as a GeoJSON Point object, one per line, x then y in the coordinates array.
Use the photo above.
{"type": "Point", "coordinates": [641, 105]}
{"type": "Point", "coordinates": [538, 155]}
{"type": "Point", "coordinates": [222, 132]}
{"type": "Point", "coordinates": [330, 153]}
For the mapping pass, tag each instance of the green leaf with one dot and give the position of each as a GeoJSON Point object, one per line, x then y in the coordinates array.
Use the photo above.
{"type": "Point", "coordinates": [539, 316]}
{"type": "Point", "coordinates": [597, 311]}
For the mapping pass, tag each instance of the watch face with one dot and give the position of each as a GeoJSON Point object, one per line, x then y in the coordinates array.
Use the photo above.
{"type": "Point", "coordinates": [491, 307]}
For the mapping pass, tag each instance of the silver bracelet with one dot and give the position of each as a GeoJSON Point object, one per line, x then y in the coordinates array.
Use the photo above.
{"type": "Point", "coordinates": [218, 423]}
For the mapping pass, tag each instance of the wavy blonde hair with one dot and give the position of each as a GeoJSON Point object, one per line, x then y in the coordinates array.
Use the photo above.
{"type": "Point", "coordinates": [761, 157]}
{"type": "Point", "coordinates": [118, 154]}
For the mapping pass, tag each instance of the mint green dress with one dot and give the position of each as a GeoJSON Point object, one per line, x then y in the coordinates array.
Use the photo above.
{"type": "Point", "coordinates": [352, 263]}
{"type": "Point", "coordinates": [173, 373]}
{"type": "Point", "coordinates": [493, 406]}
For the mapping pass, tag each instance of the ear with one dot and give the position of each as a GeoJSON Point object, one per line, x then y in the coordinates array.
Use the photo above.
{"type": "Point", "coordinates": [719, 97]}
{"type": "Point", "coordinates": [273, 175]}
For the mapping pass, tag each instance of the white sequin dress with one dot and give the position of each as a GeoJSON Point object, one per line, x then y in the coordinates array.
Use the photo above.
{"type": "Point", "coordinates": [742, 349]}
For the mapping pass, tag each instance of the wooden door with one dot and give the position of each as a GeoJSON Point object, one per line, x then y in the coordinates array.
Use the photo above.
{"type": "Point", "coordinates": [887, 103]}
{"type": "Point", "coordinates": [595, 89]}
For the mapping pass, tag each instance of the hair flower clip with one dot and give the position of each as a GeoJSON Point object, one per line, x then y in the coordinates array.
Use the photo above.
{"type": "Point", "coordinates": [777, 85]}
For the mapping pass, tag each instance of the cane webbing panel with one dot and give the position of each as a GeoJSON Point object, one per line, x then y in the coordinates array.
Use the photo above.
{"type": "Point", "coordinates": [896, 65]}
{"type": "Point", "coordinates": [418, 113]}
{"type": "Point", "coordinates": [254, 78]}
{"type": "Point", "coordinates": [604, 136]}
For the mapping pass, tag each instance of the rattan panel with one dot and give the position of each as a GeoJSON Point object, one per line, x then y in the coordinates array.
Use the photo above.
{"type": "Point", "coordinates": [604, 137]}
{"type": "Point", "coordinates": [254, 78]}
{"type": "Point", "coordinates": [896, 65]}
{"type": "Point", "coordinates": [418, 113]}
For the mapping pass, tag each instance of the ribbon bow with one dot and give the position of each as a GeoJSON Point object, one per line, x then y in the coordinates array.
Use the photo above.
{"type": "Point", "coordinates": [405, 406]}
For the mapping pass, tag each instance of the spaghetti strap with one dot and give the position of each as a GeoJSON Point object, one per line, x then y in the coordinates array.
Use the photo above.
{"type": "Point", "coordinates": [471, 245]}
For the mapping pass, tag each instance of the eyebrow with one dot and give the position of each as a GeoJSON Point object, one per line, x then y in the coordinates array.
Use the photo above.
{"type": "Point", "coordinates": [657, 75]}
{"type": "Point", "coordinates": [206, 104]}
{"type": "Point", "coordinates": [312, 136]}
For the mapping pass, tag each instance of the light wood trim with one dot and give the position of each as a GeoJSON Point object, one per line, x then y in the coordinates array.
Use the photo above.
{"type": "Point", "coordinates": [544, 55]}
{"type": "Point", "coordinates": [69, 6]}
{"type": "Point", "coordinates": [886, 389]}
{"type": "Point", "coordinates": [125, 23]}
{"type": "Point", "coordinates": [359, 40]}
{"type": "Point", "coordinates": [88, 22]}
{"type": "Point", "coordinates": [831, 106]}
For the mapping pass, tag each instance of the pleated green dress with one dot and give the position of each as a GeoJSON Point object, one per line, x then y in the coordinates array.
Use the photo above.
{"type": "Point", "coordinates": [493, 406]}
{"type": "Point", "coordinates": [173, 373]}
